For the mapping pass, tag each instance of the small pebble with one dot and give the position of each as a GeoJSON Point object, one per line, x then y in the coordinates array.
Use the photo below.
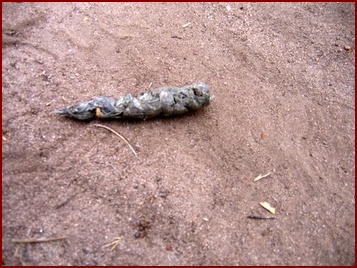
{"type": "Point", "coordinates": [264, 136]}
{"type": "Point", "coordinates": [347, 47]}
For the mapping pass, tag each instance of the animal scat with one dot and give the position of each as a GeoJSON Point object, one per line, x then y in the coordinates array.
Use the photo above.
{"type": "Point", "coordinates": [165, 101]}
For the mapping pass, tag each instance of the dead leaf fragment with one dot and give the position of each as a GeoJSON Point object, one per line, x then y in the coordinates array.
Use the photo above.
{"type": "Point", "coordinates": [268, 207]}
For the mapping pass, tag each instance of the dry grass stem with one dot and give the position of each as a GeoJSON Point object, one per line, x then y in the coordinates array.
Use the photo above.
{"type": "Point", "coordinates": [120, 136]}
{"type": "Point", "coordinates": [261, 176]}
{"type": "Point", "coordinates": [113, 244]}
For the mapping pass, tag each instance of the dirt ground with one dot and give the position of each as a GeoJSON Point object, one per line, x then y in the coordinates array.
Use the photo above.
{"type": "Point", "coordinates": [283, 79]}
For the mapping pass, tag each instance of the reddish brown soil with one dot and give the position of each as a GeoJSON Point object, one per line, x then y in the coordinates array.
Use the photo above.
{"type": "Point", "coordinates": [283, 79]}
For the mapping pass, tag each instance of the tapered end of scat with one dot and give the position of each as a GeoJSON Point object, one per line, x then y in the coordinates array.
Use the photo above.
{"type": "Point", "coordinates": [76, 111]}
{"type": "Point", "coordinates": [62, 111]}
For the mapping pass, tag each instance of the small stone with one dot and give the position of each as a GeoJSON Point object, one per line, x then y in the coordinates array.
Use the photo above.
{"type": "Point", "coordinates": [264, 136]}
{"type": "Point", "coordinates": [347, 48]}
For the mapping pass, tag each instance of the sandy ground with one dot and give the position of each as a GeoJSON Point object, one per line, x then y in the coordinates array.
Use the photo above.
{"type": "Point", "coordinates": [283, 79]}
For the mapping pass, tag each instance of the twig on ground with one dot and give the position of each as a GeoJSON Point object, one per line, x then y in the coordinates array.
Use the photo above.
{"type": "Point", "coordinates": [65, 202]}
{"type": "Point", "coordinates": [254, 217]}
{"type": "Point", "coordinates": [37, 240]}
{"type": "Point", "coordinates": [120, 136]}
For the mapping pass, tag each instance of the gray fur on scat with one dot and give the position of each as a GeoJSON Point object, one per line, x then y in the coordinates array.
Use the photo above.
{"type": "Point", "coordinates": [164, 101]}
